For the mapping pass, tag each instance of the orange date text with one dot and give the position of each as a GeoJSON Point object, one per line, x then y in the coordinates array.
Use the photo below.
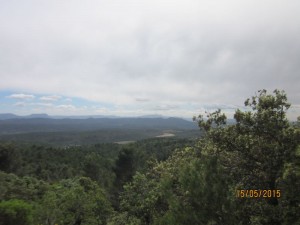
{"type": "Point", "coordinates": [251, 193]}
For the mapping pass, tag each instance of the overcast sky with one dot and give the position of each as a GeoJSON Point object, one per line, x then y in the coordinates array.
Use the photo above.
{"type": "Point", "coordinates": [126, 57]}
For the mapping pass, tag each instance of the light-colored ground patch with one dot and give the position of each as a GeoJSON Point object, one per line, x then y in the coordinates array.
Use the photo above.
{"type": "Point", "coordinates": [124, 142]}
{"type": "Point", "coordinates": [166, 135]}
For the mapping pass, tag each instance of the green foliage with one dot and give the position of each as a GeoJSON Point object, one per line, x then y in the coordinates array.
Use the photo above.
{"type": "Point", "coordinates": [255, 150]}
{"type": "Point", "coordinates": [186, 188]}
{"type": "Point", "coordinates": [259, 143]}
{"type": "Point", "coordinates": [205, 188]}
{"type": "Point", "coordinates": [9, 158]}
{"type": "Point", "coordinates": [75, 201]}
{"type": "Point", "coordinates": [213, 119]}
{"type": "Point", "coordinates": [53, 164]}
{"type": "Point", "coordinates": [143, 199]}
{"type": "Point", "coordinates": [290, 183]}
{"type": "Point", "coordinates": [75, 137]}
{"type": "Point", "coordinates": [15, 212]}
{"type": "Point", "coordinates": [25, 188]}
{"type": "Point", "coordinates": [138, 201]}
{"type": "Point", "coordinates": [125, 165]}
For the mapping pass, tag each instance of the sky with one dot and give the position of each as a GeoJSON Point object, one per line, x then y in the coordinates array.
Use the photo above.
{"type": "Point", "coordinates": [144, 57]}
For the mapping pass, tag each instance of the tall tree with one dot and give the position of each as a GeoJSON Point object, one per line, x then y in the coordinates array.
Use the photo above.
{"type": "Point", "coordinates": [255, 150]}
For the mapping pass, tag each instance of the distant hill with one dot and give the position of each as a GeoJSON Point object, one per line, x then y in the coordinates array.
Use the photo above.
{"type": "Point", "coordinates": [7, 116]}
{"type": "Point", "coordinates": [43, 115]}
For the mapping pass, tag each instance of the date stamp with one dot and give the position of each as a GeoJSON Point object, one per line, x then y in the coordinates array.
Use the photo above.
{"type": "Point", "coordinates": [252, 193]}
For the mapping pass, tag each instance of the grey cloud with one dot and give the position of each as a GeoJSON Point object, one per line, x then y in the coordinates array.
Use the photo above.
{"type": "Point", "coordinates": [50, 98]}
{"type": "Point", "coordinates": [142, 99]}
{"type": "Point", "coordinates": [20, 104]}
{"type": "Point", "coordinates": [166, 107]}
{"type": "Point", "coordinates": [42, 104]}
{"type": "Point", "coordinates": [66, 107]}
{"type": "Point", "coordinates": [189, 51]}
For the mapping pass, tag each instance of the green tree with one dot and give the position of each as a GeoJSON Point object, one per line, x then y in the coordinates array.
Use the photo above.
{"type": "Point", "coordinates": [143, 198]}
{"type": "Point", "coordinates": [255, 150]}
{"type": "Point", "coordinates": [15, 212]}
{"type": "Point", "coordinates": [25, 188]}
{"type": "Point", "coordinates": [77, 201]}
{"type": "Point", "coordinates": [290, 183]}
{"type": "Point", "coordinates": [92, 166]}
{"type": "Point", "coordinates": [9, 158]}
{"type": "Point", "coordinates": [205, 196]}
{"type": "Point", "coordinates": [125, 167]}
{"type": "Point", "coordinates": [188, 188]}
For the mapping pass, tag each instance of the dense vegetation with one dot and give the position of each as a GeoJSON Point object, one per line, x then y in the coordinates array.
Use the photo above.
{"type": "Point", "coordinates": [42, 177]}
{"type": "Point", "coordinates": [164, 181]}
{"type": "Point", "coordinates": [71, 138]}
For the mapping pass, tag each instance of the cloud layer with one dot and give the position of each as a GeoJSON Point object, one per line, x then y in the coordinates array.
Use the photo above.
{"type": "Point", "coordinates": [150, 56]}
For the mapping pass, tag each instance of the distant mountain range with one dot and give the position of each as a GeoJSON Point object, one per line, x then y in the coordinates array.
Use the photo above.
{"type": "Point", "coordinates": [11, 123]}
{"type": "Point", "coordinates": [7, 116]}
